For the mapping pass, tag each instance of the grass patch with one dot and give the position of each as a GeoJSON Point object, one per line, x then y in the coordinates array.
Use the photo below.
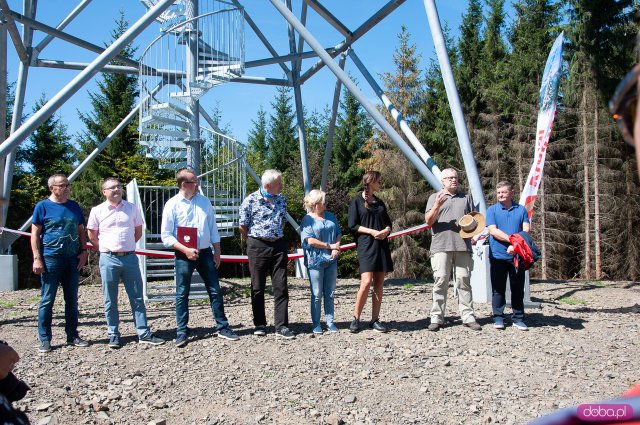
{"type": "Point", "coordinates": [572, 301]}
{"type": "Point", "coordinates": [408, 286]}
{"type": "Point", "coordinates": [34, 300]}
{"type": "Point", "coordinates": [598, 284]}
{"type": "Point", "coordinates": [7, 304]}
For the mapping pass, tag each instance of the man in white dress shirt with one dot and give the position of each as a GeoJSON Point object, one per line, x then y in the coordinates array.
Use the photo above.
{"type": "Point", "coordinates": [114, 228]}
{"type": "Point", "coordinates": [189, 209]}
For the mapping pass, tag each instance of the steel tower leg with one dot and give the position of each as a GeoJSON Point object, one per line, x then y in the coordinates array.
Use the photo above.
{"type": "Point", "coordinates": [194, 143]}
{"type": "Point", "coordinates": [422, 152]}
{"type": "Point", "coordinates": [350, 85]}
{"type": "Point", "coordinates": [89, 159]}
{"type": "Point", "coordinates": [456, 108]}
{"type": "Point", "coordinates": [302, 133]}
{"type": "Point", "coordinates": [74, 85]}
{"type": "Point", "coordinates": [332, 126]}
{"type": "Point", "coordinates": [3, 112]}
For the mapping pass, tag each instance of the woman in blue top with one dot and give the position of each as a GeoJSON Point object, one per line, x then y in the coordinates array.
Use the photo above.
{"type": "Point", "coordinates": [321, 237]}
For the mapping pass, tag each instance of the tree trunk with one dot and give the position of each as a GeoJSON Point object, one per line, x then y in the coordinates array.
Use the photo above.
{"type": "Point", "coordinates": [596, 195]}
{"type": "Point", "coordinates": [586, 191]}
{"type": "Point", "coordinates": [543, 239]}
{"type": "Point", "coordinates": [632, 266]}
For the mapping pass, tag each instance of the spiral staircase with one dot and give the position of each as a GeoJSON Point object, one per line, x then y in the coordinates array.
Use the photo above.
{"type": "Point", "coordinates": [200, 46]}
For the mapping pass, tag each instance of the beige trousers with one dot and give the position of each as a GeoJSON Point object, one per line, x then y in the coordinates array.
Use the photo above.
{"type": "Point", "coordinates": [442, 263]}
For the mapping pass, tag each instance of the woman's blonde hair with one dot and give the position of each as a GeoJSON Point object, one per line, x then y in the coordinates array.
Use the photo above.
{"type": "Point", "coordinates": [314, 197]}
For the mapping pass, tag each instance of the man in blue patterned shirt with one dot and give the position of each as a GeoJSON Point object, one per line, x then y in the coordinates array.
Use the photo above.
{"type": "Point", "coordinates": [262, 218]}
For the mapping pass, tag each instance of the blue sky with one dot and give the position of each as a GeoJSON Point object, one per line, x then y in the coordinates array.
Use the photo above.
{"type": "Point", "coordinates": [238, 102]}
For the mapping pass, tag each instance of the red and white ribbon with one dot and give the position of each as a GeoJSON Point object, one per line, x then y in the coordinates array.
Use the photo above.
{"type": "Point", "coordinates": [231, 258]}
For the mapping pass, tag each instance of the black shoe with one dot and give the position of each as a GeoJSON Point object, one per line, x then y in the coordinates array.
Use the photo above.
{"type": "Point", "coordinates": [376, 326]}
{"type": "Point", "coordinates": [260, 331]}
{"type": "Point", "coordinates": [181, 340]}
{"type": "Point", "coordinates": [78, 342]}
{"type": "Point", "coordinates": [354, 326]}
{"type": "Point", "coordinates": [114, 342]}
{"type": "Point", "coordinates": [285, 333]}
{"type": "Point", "coordinates": [151, 339]}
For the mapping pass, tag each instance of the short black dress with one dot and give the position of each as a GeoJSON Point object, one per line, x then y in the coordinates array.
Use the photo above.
{"type": "Point", "coordinates": [373, 255]}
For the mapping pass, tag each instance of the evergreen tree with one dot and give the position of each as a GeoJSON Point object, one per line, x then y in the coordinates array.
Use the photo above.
{"type": "Point", "coordinates": [114, 99]}
{"type": "Point", "coordinates": [11, 98]}
{"type": "Point", "coordinates": [434, 124]}
{"type": "Point", "coordinates": [600, 53]}
{"type": "Point", "coordinates": [257, 147]}
{"type": "Point", "coordinates": [282, 140]}
{"type": "Point", "coordinates": [353, 128]}
{"type": "Point", "coordinates": [489, 141]}
{"type": "Point", "coordinates": [470, 47]}
{"type": "Point", "coordinates": [405, 191]}
{"type": "Point", "coordinates": [48, 151]}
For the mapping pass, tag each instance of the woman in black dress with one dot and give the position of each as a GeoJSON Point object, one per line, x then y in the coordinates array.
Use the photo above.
{"type": "Point", "coordinates": [370, 225]}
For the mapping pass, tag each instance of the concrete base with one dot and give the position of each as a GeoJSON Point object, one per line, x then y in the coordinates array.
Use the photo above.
{"type": "Point", "coordinates": [481, 280]}
{"type": "Point", "coordinates": [9, 276]}
{"type": "Point", "coordinates": [481, 275]}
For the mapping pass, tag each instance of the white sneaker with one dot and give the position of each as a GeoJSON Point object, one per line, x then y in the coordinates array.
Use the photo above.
{"type": "Point", "coordinates": [520, 325]}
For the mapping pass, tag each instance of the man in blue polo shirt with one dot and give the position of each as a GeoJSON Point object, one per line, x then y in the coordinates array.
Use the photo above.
{"type": "Point", "coordinates": [504, 219]}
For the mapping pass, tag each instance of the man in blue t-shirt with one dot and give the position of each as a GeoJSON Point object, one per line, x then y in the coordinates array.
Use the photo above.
{"type": "Point", "coordinates": [58, 242]}
{"type": "Point", "coordinates": [503, 220]}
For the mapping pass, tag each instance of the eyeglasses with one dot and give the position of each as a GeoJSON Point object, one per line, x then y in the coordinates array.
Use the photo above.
{"type": "Point", "coordinates": [191, 182]}
{"type": "Point", "coordinates": [63, 186]}
{"type": "Point", "coordinates": [118, 187]}
{"type": "Point", "coordinates": [624, 102]}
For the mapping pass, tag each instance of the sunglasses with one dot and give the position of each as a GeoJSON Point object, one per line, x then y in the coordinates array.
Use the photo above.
{"type": "Point", "coordinates": [623, 104]}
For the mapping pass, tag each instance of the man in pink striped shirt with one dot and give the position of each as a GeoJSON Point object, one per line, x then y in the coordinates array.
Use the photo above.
{"type": "Point", "coordinates": [114, 228]}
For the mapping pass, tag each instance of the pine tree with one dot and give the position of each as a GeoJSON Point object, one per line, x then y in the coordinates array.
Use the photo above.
{"type": "Point", "coordinates": [282, 140]}
{"type": "Point", "coordinates": [489, 133]}
{"type": "Point", "coordinates": [434, 125]}
{"type": "Point", "coordinates": [114, 99]}
{"type": "Point", "coordinates": [405, 192]}
{"type": "Point", "coordinates": [470, 47]}
{"type": "Point", "coordinates": [601, 52]}
{"type": "Point", "coordinates": [257, 147]}
{"type": "Point", "coordinates": [353, 128]}
{"type": "Point", "coordinates": [48, 151]}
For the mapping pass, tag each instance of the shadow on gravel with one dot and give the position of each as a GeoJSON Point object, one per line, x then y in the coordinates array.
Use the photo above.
{"type": "Point", "coordinates": [539, 320]}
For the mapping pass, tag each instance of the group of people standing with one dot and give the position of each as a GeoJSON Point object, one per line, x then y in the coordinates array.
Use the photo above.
{"type": "Point", "coordinates": [58, 243]}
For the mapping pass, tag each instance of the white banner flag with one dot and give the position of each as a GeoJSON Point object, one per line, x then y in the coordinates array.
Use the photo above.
{"type": "Point", "coordinates": [546, 115]}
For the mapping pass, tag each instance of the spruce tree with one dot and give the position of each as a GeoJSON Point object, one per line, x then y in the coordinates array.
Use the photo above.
{"type": "Point", "coordinates": [47, 152]}
{"type": "Point", "coordinates": [353, 128]}
{"type": "Point", "coordinates": [282, 140]}
{"type": "Point", "coordinates": [257, 147]}
{"type": "Point", "coordinates": [600, 53]}
{"type": "Point", "coordinates": [115, 97]}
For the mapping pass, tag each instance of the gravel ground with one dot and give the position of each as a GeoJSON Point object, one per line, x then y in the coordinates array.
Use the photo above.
{"type": "Point", "coordinates": [583, 346]}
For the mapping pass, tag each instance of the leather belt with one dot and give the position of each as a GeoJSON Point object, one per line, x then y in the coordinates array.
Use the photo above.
{"type": "Point", "coordinates": [265, 239]}
{"type": "Point", "coordinates": [120, 254]}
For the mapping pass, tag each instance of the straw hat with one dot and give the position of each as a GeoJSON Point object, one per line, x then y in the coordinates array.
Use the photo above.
{"type": "Point", "coordinates": [471, 224]}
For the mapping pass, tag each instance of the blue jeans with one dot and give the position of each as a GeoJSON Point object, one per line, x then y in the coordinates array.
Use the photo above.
{"type": "Point", "coordinates": [59, 270]}
{"type": "Point", "coordinates": [323, 284]}
{"type": "Point", "coordinates": [500, 270]}
{"type": "Point", "coordinates": [207, 269]}
{"type": "Point", "coordinates": [112, 269]}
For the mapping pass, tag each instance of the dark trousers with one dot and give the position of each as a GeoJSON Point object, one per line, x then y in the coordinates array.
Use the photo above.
{"type": "Point", "coordinates": [269, 259]}
{"type": "Point", "coordinates": [500, 270]}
